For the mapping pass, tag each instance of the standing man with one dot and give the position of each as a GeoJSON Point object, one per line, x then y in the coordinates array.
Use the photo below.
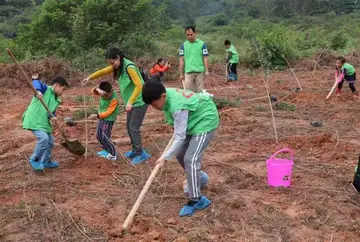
{"type": "Point", "coordinates": [193, 61]}
{"type": "Point", "coordinates": [232, 59]}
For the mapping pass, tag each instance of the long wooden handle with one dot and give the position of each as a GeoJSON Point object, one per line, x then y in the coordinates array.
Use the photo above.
{"type": "Point", "coordinates": [136, 206]}
{"type": "Point", "coordinates": [332, 89]}
{"type": "Point", "coordinates": [28, 80]}
{"type": "Point", "coordinates": [226, 72]}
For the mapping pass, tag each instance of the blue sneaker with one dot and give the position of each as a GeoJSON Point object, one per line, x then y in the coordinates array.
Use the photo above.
{"type": "Point", "coordinates": [204, 180]}
{"type": "Point", "coordinates": [130, 154]}
{"type": "Point", "coordinates": [102, 153]}
{"type": "Point", "coordinates": [36, 165]}
{"type": "Point", "coordinates": [140, 158]}
{"type": "Point", "coordinates": [51, 164]}
{"type": "Point", "coordinates": [192, 206]}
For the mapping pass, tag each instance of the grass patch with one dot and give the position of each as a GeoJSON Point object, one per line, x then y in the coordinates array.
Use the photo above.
{"type": "Point", "coordinates": [80, 99]}
{"type": "Point", "coordinates": [260, 108]}
{"type": "Point", "coordinates": [250, 72]}
{"type": "Point", "coordinates": [80, 113]}
{"type": "Point", "coordinates": [222, 103]}
{"type": "Point", "coordinates": [285, 106]}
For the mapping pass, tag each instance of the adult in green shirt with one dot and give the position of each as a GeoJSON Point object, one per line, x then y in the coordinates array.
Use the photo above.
{"type": "Point", "coordinates": [193, 61]}
{"type": "Point", "coordinates": [232, 59]}
{"type": "Point", "coordinates": [195, 119]}
{"type": "Point", "coordinates": [130, 82]}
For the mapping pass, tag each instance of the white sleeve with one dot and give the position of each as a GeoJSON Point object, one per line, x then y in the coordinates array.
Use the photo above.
{"type": "Point", "coordinates": [180, 126]}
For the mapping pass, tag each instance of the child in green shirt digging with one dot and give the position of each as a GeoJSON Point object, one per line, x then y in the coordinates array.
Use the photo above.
{"type": "Point", "coordinates": [108, 111]}
{"type": "Point", "coordinates": [232, 59]}
{"type": "Point", "coordinates": [345, 72]}
{"type": "Point", "coordinates": [37, 120]}
{"type": "Point", "coordinates": [195, 119]}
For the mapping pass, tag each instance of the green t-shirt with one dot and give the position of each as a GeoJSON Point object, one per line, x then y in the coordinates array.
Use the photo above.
{"type": "Point", "coordinates": [36, 117]}
{"type": "Point", "coordinates": [234, 55]}
{"type": "Point", "coordinates": [105, 103]}
{"type": "Point", "coordinates": [127, 86]}
{"type": "Point", "coordinates": [350, 70]}
{"type": "Point", "coordinates": [203, 114]}
{"type": "Point", "coordinates": [193, 53]}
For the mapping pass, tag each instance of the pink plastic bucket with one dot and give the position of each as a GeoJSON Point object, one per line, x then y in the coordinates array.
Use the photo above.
{"type": "Point", "coordinates": [279, 170]}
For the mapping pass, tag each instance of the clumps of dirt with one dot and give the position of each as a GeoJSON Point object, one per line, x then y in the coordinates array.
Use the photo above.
{"type": "Point", "coordinates": [47, 68]}
{"type": "Point", "coordinates": [317, 60]}
{"type": "Point", "coordinates": [303, 142]}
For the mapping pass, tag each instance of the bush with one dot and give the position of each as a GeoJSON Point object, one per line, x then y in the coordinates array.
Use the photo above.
{"type": "Point", "coordinates": [222, 103]}
{"type": "Point", "coordinates": [260, 108]}
{"type": "Point", "coordinates": [80, 114]}
{"type": "Point", "coordinates": [80, 99]}
{"type": "Point", "coordinates": [274, 47]}
{"type": "Point", "coordinates": [338, 41]}
{"type": "Point", "coordinates": [285, 106]}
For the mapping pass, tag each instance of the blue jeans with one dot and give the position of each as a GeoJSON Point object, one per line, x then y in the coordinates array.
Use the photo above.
{"type": "Point", "coordinates": [44, 146]}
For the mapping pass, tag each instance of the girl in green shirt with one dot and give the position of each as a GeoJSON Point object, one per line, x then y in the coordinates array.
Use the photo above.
{"type": "Point", "coordinates": [345, 72]}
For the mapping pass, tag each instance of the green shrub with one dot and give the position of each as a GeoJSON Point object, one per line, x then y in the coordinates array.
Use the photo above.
{"type": "Point", "coordinates": [80, 113]}
{"type": "Point", "coordinates": [338, 41]}
{"type": "Point", "coordinates": [222, 103]}
{"type": "Point", "coordinates": [285, 106]}
{"type": "Point", "coordinates": [80, 99]}
{"type": "Point", "coordinates": [260, 108]}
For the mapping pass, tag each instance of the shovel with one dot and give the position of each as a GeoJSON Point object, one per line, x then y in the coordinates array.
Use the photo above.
{"type": "Point", "coordinates": [73, 146]}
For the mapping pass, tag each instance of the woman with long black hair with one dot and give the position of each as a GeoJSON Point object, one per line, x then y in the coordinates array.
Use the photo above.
{"type": "Point", "coordinates": [130, 82]}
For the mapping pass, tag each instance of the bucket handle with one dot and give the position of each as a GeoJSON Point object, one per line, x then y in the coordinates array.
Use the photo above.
{"type": "Point", "coordinates": [283, 151]}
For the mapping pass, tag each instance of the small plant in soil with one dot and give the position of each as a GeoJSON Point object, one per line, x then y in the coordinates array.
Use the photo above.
{"type": "Point", "coordinates": [285, 106]}
{"type": "Point", "coordinates": [250, 72]}
{"type": "Point", "coordinates": [80, 114]}
{"type": "Point", "coordinates": [80, 99]}
{"type": "Point", "coordinates": [222, 102]}
{"type": "Point", "coordinates": [279, 81]}
{"type": "Point", "coordinates": [260, 108]}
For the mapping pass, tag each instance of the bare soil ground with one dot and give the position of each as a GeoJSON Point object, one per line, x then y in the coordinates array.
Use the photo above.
{"type": "Point", "coordinates": [88, 199]}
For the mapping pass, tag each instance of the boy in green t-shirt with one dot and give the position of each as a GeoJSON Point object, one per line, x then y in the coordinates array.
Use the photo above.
{"type": "Point", "coordinates": [108, 111]}
{"type": "Point", "coordinates": [37, 120]}
{"type": "Point", "coordinates": [195, 119]}
{"type": "Point", "coordinates": [232, 59]}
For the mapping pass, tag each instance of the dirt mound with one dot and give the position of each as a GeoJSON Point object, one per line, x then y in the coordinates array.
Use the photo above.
{"type": "Point", "coordinates": [47, 68]}
{"type": "Point", "coordinates": [318, 60]}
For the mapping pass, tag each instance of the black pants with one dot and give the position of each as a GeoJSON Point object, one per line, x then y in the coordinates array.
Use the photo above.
{"type": "Point", "coordinates": [103, 135]}
{"type": "Point", "coordinates": [159, 77]}
{"type": "Point", "coordinates": [232, 68]}
{"type": "Point", "coordinates": [351, 86]}
{"type": "Point", "coordinates": [134, 120]}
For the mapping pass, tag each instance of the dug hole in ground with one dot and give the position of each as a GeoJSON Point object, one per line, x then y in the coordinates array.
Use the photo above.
{"type": "Point", "coordinates": [88, 200]}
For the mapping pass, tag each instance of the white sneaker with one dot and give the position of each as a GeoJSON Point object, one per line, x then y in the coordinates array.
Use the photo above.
{"type": "Point", "coordinates": [111, 157]}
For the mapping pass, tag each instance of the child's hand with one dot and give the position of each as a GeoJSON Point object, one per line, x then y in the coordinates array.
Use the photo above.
{"type": "Point", "coordinates": [35, 76]}
{"type": "Point", "coordinates": [93, 116]}
{"type": "Point", "coordinates": [101, 92]}
{"type": "Point", "coordinates": [39, 95]}
{"type": "Point", "coordinates": [53, 118]}
{"type": "Point", "coordinates": [161, 162]}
